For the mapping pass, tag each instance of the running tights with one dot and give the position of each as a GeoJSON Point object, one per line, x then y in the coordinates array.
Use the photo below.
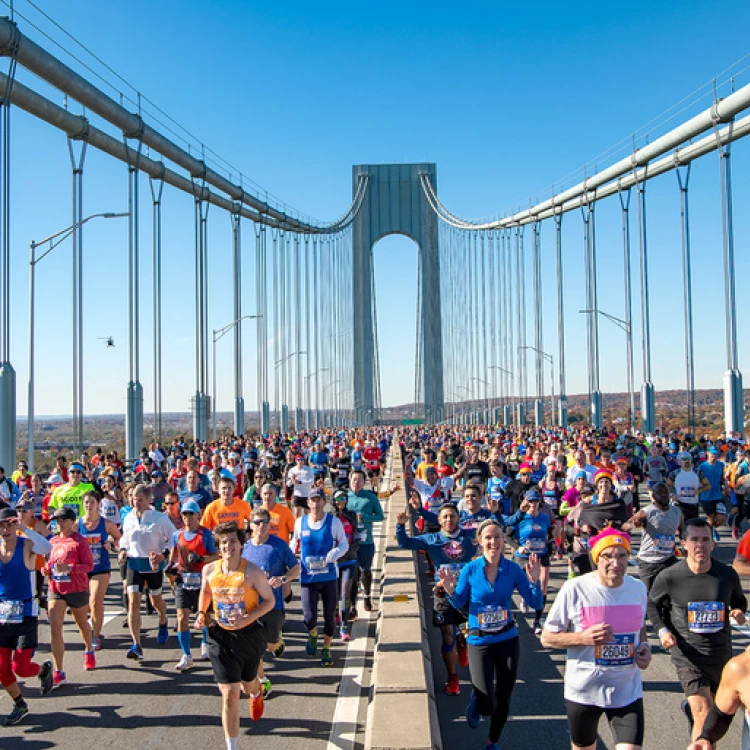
{"type": "Point", "coordinates": [310, 593]}
{"type": "Point", "coordinates": [347, 578]}
{"type": "Point", "coordinates": [493, 674]}
{"type": "Point", "coordinates": [16, 663]}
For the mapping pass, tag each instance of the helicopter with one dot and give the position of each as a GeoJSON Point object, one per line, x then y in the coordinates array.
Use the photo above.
{"type": "Point", "coordinates": [109, 339]}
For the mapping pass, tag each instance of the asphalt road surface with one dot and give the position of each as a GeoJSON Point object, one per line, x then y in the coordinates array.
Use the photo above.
{"type": "Point", "coordinates": [538, 719]}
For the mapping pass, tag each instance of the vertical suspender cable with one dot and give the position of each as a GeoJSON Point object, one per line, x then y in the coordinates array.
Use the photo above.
{"type": "Point", "coordinates": [563, 404]}
{"type": "Point", "coordinates": [483, 281]}
{"type": "Point", "coordinates": [625, 207]}
{"type": "Point", "coordinates": [156, 186]}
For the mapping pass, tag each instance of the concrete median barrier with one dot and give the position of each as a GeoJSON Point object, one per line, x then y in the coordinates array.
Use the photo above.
{"type": "Point", "coordinates": [402, 714]}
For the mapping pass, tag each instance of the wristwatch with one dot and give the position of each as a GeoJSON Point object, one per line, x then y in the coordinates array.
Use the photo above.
{"type": "Point", "coordinates": [283, 579]}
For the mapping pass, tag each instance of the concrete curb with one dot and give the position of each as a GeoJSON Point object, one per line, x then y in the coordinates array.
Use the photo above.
{"type": "Point", "coordinates": [402, 714]}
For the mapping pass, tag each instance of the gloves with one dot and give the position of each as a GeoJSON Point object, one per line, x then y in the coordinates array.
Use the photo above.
{"type": "Point", "coordinates": [331, 556]}
{"type": "Point", "coordinates": [194, 558]}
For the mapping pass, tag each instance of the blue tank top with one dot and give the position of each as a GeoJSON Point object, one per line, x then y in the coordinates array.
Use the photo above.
{"type": "Point", "coordinates": [16, 597]}
{"type": "Point", "coordinates": [315, 545]}
{"type": "Point", "coordinates": [97, 539]}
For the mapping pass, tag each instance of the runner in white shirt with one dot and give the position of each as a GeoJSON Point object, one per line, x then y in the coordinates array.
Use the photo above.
{"type": "Point", "coordinates": [599, 618]}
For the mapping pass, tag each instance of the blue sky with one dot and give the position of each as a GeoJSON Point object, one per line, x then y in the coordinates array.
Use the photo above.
{"type": "Point", "coordinates": [506, 100]}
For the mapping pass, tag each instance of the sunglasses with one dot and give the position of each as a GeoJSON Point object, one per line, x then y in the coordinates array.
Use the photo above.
{"type": "Point", "coordinates": [75, 471]}
{"type": "Point", "coordinates": [258, 522]}
{"type": "Point", "coordinates": [185, 512]}
{"type": "Point", "coordinates": [172, 503]}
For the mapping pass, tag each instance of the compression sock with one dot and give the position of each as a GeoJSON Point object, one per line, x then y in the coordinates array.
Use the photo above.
{"type": "Point", "coordinates": [183, 638]}
{"type": "Point", "coordinates": [205, 635]}
{"type": "Point", "coordinates": [231, 743]}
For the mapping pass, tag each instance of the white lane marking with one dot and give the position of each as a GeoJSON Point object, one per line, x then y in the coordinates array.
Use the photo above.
{"type": "Point", "coordinates": [109, 616]}
{"type": "Point", "coordinates": [345, 724]}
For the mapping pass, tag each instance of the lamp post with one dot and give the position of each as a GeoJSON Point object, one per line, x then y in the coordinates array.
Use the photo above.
{"type": "Point", "coordinates": [54, 240]}
{"type": "Point", "coordinates": [538, 415]}
{"type": "Point", "coordinates": [625, 326]}
{"type": "Point", "coordinates": [217, 334]}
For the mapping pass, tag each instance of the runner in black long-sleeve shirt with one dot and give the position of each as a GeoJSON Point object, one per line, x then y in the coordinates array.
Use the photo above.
{"type": "Point", "coordinates": [690, 605]}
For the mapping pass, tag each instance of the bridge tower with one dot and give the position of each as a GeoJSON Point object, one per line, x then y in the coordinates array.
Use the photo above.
{"type": "Point", "coordinates": [395, 204]}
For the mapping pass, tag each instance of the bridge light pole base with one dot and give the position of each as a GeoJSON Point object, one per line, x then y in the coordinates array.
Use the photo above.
{"type": "Point", "coordinates": [133, 420]}
{"type": "Point", "coordinates": [538, 413]}
{"type": "Point", "coordinates": [596, 409]}
{"type": "Point", "coordinates": [200, 405]}
{"type": "Point", "coordinates": [734, 408]}
{"type": "Point", "coordinates": [648, 408]}
{"type": "Point", "coordinates": [239, 416]}
{"type": "Point", "coordinates": [7, 417]}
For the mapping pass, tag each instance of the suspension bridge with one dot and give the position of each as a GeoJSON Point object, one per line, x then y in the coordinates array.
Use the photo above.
{"type": "Point", "coordinates": [317, 364]}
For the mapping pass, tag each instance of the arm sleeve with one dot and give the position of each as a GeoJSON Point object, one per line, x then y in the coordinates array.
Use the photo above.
{"type": "Point", "coordinates": [339, 536]}
{"type": "Point", "coordinates": [658, 602]}
{"type": "Point", "coordinates": [377, 513]}
{"type": "Point", "coordinates": [409, 542]}
{"type": "Point", "coordinates": [40, 545]}
{"type": "Point", "coordinates": [294, 544]}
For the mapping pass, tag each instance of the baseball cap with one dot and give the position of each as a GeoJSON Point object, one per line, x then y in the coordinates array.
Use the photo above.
{"type": "Point", "coordinates": [340, 495]}
{"type": "Point", "coordinates": [713, 449]}
{"type": "Point", "coordinates": [233, 455]}
{"type": "Point", "coordinates": [76, 467]}
{"type": "Point", "coordinates": [7, 513]}
{"type": "Point", "coordinates": [533, 496]}
{"type": "Point", "coordinates": [318, 493]}
{"type": "Point", "coordinates": [25, 504]}
{"type": "Point", "coordinates": [684, 456]}
{"type": "Point", "coordinates": [190, 506]}
{"type": "Point", "coordinates": [63, 514]}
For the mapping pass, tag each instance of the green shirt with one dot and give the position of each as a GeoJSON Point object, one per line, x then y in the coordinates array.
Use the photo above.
{"type": "Point", "coordinates": [66, 496]}
{"type": "Point", "coordinates": [366, 503]}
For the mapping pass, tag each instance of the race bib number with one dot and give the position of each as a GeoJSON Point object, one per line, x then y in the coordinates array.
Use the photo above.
{"type": "Point", "coordinates": [537, 546]}
{"type": "Point", "coordinates": [721, 509]}
{"type": "Point", "coordinates": [618, 653]}
{"type": "Point", "coordinates": [705, 617]}
{"type": "Point", "coordinates": [688, 492]}
{"type": "Point", "coordinates": [342, 473]}
{"type": "Point", "coordinates": [191, 581]}
{"type": "Point", "coordinates": [316, 565]}
{"type": "Point", "coordinates": [492, 618]}
{"type": "Point", "coordinates": [60, 577]}
{"type": "Point", "coordinates": [227, 610]}
{"type": "Point", "coordinates": [11, 612]}
{"type": "Point", "coordinates": [664, 543]}
{"type": "Point", "coordinates": [96, 554]}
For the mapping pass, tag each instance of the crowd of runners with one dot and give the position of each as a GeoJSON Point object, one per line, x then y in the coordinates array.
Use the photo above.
{"type": "Point", "coordinates": [214, 535]}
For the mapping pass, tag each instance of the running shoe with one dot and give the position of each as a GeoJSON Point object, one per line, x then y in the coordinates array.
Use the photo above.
{"type": "Point", "coordinates": [45, 678]}
{"type": "Point", "coordinates": [135, 652]}
{"type": "Point", "coordinates": [345, 634]}
{"type": "Point", "coordinates": [59, 679]}
{"type": "Point", "coordinates": [453, 687]}
{"type": "Point", "coordinates": [204, 651]}
{"type": "Point", "coordinates": [184, 663]}
{"type": "Point", "coordinates": [14, 717]}
{"type": "Point", "coordinates": [367, 604]}
{"type": "Point", "coordinates": [492, 746]}
{"type": "Point", "coordinates": [97, 644]}
{"type": "Point", "coordinates": [163, 635]}
{"type": "Point", "coordinates": [462, 651]}
{"type": "Point", "coordinates": [256, 707]}
{"type": "Point", "coordinates": [89, 660]}
{"type": "Point", "coordinates": [685, 706]}
{"type": "Point", "coordinates": [717, 538]}
{"type": "Point", "coordinates": [473, 717]}
{"type": "Point", "coordinates": [352, 615]}
{"type": "Point", "coordinates": [265, 687]}
{"type": "Point", "coordinates": [537, 627]}
{"type": "Point", "coordinates": [571, 573]}
{"type": "Point", "coordinates": [312, 645]}
{"type": "Point", "coordinates": [326, 660]}
{"type": "Point", "coordinates": [279, 651]}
